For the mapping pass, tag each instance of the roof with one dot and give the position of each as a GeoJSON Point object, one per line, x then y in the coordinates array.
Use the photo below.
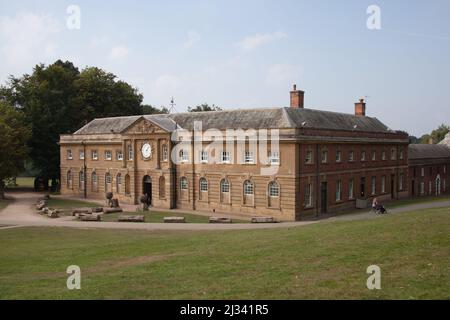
{"type": "Point", "coordinates": [428, 151]}
{"type": "Point", "coordinates": [263, 118]}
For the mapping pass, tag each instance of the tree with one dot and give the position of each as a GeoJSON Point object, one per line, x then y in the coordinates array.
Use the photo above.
{"type": "Point", "coordinates": [204, 107]}
{"type": "Point", "coordinates": [58, 99]}
{"type": "Point", "coordinates": [14, 134]}
{"type": "Point", "coordinates": [149, 109]}
{"type": "Point", "coordinates": [436, 135]}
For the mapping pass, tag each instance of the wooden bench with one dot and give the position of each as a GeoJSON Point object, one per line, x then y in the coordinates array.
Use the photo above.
{"type": "Point", "coordinates": [263, 220]}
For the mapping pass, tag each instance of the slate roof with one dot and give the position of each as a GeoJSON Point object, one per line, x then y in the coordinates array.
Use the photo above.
{"type": "Point", "coordinates": [428, 151]}
{"type": "Point", "coordinates": [263, 118]}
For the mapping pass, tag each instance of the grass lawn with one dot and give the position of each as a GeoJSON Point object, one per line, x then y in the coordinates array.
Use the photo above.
{"type": "Point", "coordinates": [158, 217]}
{"type": "Point", "coordinates": [22, 182]}
{"type": "Point", "coordinates": [327, 260]}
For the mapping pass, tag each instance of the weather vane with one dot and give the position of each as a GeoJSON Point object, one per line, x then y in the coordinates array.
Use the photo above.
{"type": "Point", "coordinates": [172, 106]}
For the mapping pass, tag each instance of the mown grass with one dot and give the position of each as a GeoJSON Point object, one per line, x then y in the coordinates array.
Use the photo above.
{"type": "Point", "coordinates": [69, 204]}
{"type": "Point", "coordinates": [406, 202]}
{"type": "Point", "coordinates": [158, 217]}
{"type": "Point", "coordinates": [327, 260]}
{"type": "Point", "coordinates": [23, 182]}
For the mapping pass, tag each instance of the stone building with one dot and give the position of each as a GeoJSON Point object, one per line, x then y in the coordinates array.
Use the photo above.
{"type": "Point", "coordinates": [428, 169]}
{"type": "Point", "coordinates": [324, 161]}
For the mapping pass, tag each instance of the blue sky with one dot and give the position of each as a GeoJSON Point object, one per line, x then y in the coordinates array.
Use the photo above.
{"type": "Point", "coordinates": [246, 54]}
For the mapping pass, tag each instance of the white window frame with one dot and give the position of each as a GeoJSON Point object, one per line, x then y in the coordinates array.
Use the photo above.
{"type": "Point", "coordinates": [338, 156]}
{"type": "Point", "coordinates": [69, 154]}
{"type": "Point", "coordinates": [383, 155]}
{"type": "Point", "coordinates": [226, 157]}
{"type": "Point", "coordinates": [324, 156]}
{"type": "Point", "coordinates": [82, 155]}
{"type": "Point", "coordinates": [204, 156]}
{"type": "Point", "coordinates": [203, 185]}
{"type": "Point", "coordinates": [94, 155]}
{"type": "Point", "coordinates": [400, 182]}
{"type": "Point", "coordinates": [119, 155]}
{"type": "Point", "coordinates": [274, 157]}
{"type": "Point", "coordinates": [430, 187]}
{"type": "Point", "coordinates": [383, 184]}
{"type": "Point", "coordinates": [351, 156]}
{"type": "Point", "coordinates": [393, 154]}
{"type": "Point", "coordinates": [130, 152]}
{"type": "Point", "coordinates": [422, 172]}
{"type": "Point", "coordinates": [184, 155]}
{"type": "Point", "coordinates": [401, 155]}
{"type": "Point", "coordinates": [363, 155]}
{"type": "Point", "coordinates": [351, 185]}
{"type": "Point", "coordinates": [165, 152]}
{"type": "Point", "coordinates": [308, 195]}
{"type": "Point", "coordinates": [338, 190]}
{"type": "Point", "coordinates": [108, 155]}
{"type": "Point", "coordinates": [184, 185]}
{"type": "Point", "coordinates": [249, 157]}
{"type": "Point", "coordinates": [224, 186]}
{"type": "Point", "coordinates": [373, 185]}
{"type": "Point", "coordinates": [374, 155]}
{"type": "Point", "coordinates": [309, 157]}
{"type": "Point", "coordinates": [274, 189]}
{"type": "Point", "coordinates": [422, 187]}
{"type": "Point", "coordinates": [249, 189]}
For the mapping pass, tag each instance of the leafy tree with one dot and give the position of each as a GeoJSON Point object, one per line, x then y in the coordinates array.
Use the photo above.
{"type": "Point", "coordinates": [58, 99]}
{"type": "Point", "coordinates": [437, 135]}
{"type": "Point", "coordinates": [204, 107]}
{"type": "Point", "coordinates": [14, 134]}
{"type": "Point", "coordinates": [149, 109]}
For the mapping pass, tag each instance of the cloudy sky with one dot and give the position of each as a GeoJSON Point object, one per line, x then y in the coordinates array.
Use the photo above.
{"type": "Point", "coordinates": [245, 54]}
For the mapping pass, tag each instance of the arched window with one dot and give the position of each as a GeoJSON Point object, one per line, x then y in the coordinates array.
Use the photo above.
{"type": "Point", "coordinates": [162, 187]}
{"type": "Point", "coordinates": [248, 188]}
{"type": "Point", "coordinates": [108, 182]}
{"type": "Point", "coordinates": [69, 179]}
{"type": "Point", "coordinates": [224, 191]}
{"type": "Point", "coordinates": [119, 183]}
{"type": "Point", "coordinates": [224, 186]}
{"type": "Point", "coordinates": [203, 185]}
{"type": "Point", "coordinates": [127, 184]}
{"type": "Point", "coordinates": [81, 181]}
{"type": "Point", "coordinates": [94, 182]}
{"type": "Point", "coordinates": [183, 183]}
{"type": "Point", "coordinates": [274, 189]}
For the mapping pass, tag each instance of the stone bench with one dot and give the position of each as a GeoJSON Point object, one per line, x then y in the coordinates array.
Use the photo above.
{"type": "Point", "coordinates": [90, 217]}
{"type": "Point", "coordinates": [96, 210]}
{"type": "Point", "coordinates": [263, 220]}
{"type": "Point", "coordinates": [219, 220]}
{"type": "Point", "coordinates": [174, 219]}
{"type": "Point", "coordinates": [80, 211]}
{"type": "Point", "coordinates": [135, 218]}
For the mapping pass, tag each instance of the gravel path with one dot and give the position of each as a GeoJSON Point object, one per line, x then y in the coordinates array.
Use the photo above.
{"type": "Point", "coordinates": [21, 213]}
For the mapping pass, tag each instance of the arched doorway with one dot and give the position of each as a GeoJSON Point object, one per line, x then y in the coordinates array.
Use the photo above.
{"type": "Point", "coordinates": [147, 188]}
{"type": "Point", "coordinates": [438, 185]}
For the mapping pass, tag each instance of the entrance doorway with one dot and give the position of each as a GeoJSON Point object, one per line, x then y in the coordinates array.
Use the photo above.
{"type": "Point", "coordinates": [413, 185]}
{"type": "Point", "coordinates": [323, 197]}
{"type": "Point", "coordinates": [147, 188]}
{"type": "Point", "coordinates": [363, 187]}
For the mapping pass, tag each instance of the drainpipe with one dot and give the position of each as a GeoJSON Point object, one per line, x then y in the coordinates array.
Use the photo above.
{"type": "Point", "coordinates": [193, 170]}
{"type": "Point", "coordinates": [318, 187]}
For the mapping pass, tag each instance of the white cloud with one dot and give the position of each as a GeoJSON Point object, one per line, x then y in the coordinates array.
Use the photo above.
{"type": "Point", "coordinates": [192, 38]}
{"type": "Point", "coordinates": [282, 74]}
{"type": "Point", "coordinates": [252, 42]}
{"type": "Point", "coordinates": [28, 38]}
{"type": "Point", "coordinates": [118, 52]}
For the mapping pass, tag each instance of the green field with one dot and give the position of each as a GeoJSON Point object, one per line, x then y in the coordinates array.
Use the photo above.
{"type": "Point", "coordinates": [327, 260]}
{"type": "Point", "coordinates": [158, 217]}
{"type": "Point", "coordinates": [23, 182]}
{"type": "Point", "coordinates": [67, 205]}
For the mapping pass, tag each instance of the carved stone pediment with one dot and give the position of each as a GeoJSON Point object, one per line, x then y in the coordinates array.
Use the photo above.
{"type": "Point", "coordinates": [144, 126]}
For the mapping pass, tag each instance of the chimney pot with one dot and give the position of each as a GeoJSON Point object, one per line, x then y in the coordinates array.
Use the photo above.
{"type": "Point", "coordinates": [297, 97]}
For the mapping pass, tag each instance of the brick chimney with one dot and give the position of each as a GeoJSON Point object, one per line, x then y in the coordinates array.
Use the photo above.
{"type": "Point", "coordinates": [360, 108]}
{"type": "Point", "coordinates": [297, 98]}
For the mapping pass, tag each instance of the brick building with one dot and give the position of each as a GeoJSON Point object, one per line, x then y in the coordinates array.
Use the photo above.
{"type": "Point", "coordinates": [428, 169]}
{"type": "Point", "coordinates": [325, 161]}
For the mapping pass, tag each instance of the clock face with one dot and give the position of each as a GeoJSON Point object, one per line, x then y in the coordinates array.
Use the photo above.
{"type": "Point", "coordinates": [146, 150]}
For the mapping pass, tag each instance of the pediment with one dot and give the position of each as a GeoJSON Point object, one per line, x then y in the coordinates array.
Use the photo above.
{"type": "Point", "coordinates": [144, 126]}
